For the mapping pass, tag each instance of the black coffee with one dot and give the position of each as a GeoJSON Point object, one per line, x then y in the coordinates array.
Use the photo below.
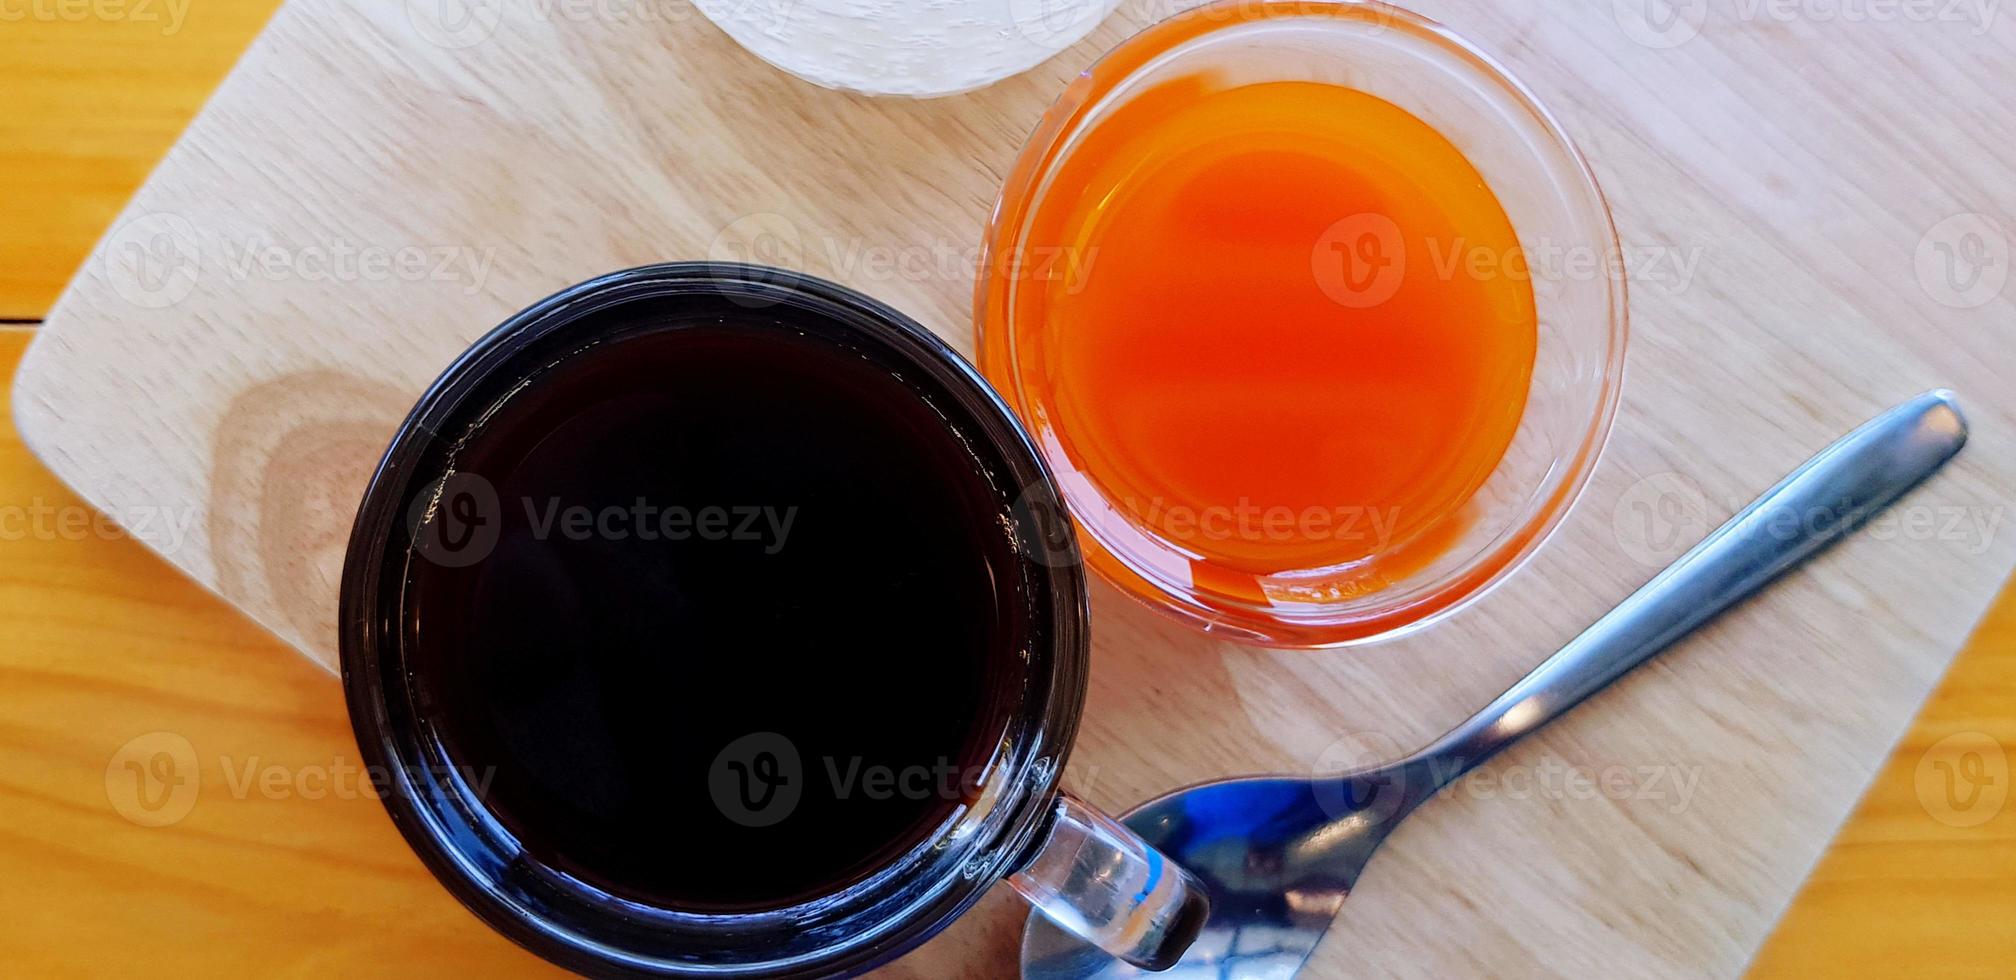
{"type": "Point", "coordinates": [745, 628]}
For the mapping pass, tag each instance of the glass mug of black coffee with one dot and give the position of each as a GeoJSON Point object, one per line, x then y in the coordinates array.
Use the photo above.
{"type": "Point", "coordinates": [713, 620]}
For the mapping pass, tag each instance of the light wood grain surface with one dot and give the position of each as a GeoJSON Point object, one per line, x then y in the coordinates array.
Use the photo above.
{"type": "Point", "coordinates": [95, 93]}
{"type": "Point", "coordinates": [1581, 591]}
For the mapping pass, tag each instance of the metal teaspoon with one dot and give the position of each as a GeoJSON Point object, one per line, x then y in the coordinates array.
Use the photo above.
{"type": "Point", "coordinates": [1279, 854]}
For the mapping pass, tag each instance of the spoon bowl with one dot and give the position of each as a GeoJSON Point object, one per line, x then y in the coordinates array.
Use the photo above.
{"type": "Point", "coordinates": [1274, 886]}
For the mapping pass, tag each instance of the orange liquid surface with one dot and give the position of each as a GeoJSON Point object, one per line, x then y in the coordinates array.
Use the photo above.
{"type": "Point", "coordinates": [1289, 328]}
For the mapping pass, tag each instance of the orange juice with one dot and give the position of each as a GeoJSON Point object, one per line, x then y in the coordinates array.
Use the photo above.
{"type": "Point", "coordinates": [1280, 326]}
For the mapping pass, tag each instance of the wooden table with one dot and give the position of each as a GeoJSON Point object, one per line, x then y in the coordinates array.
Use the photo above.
{"type": "Point", "coordinates": [103, 648]}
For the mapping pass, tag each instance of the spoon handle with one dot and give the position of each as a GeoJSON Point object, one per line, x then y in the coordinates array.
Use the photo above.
{"type": "Point", "coordinates": [1831, 494]}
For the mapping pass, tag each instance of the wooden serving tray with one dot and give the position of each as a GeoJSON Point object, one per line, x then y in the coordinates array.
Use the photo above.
{"type": "Point", "coordinates": [1817, 226]}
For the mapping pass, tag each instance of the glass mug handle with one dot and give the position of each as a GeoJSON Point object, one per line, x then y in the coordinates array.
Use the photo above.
{"type": "Point", "coordinates": [1099, 881]}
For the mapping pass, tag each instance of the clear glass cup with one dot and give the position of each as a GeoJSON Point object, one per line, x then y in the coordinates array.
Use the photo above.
{"type": "Point", "coordinates": [1569, 248]}
{"type": "Point", "coordinates": [1081, 868]}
